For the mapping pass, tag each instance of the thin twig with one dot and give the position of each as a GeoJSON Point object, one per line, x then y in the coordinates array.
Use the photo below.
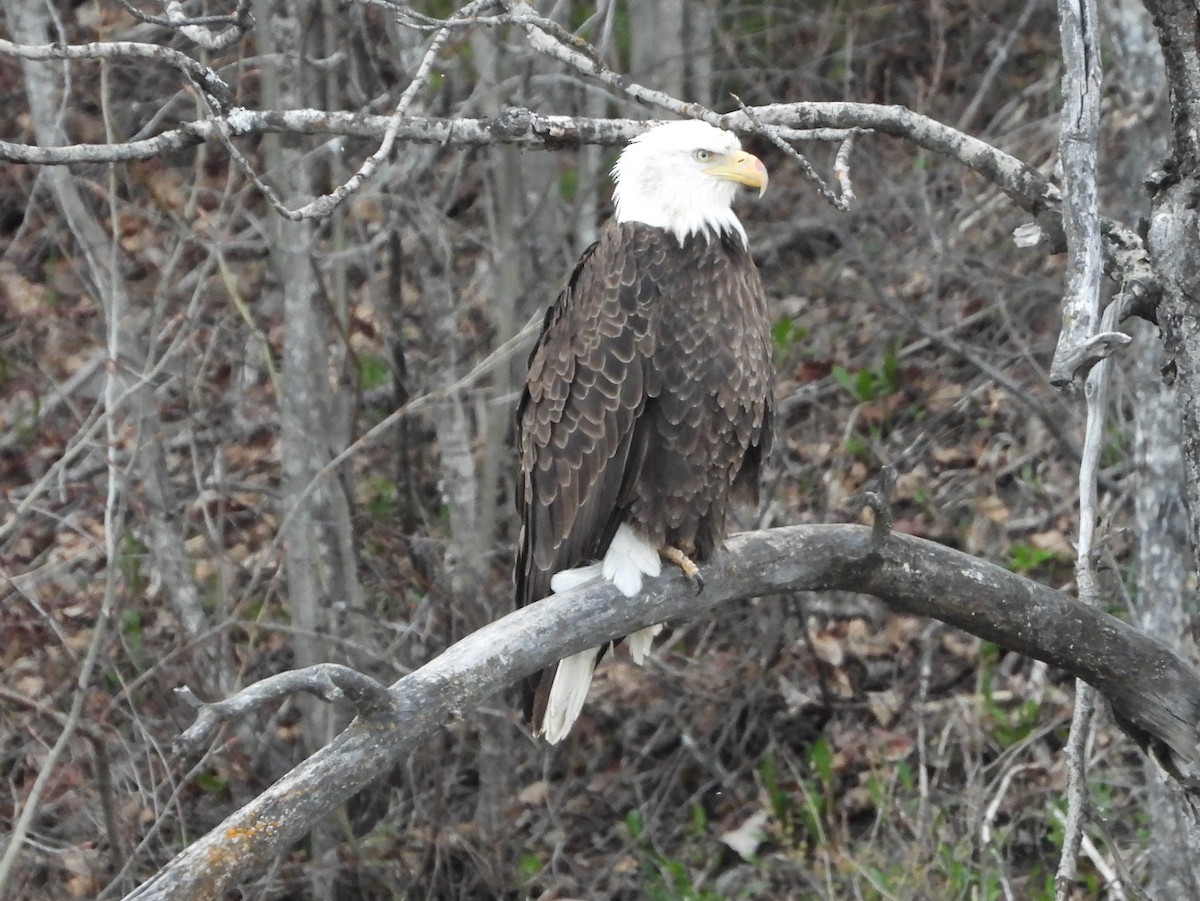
{"type": "Point", "coordinates": [141, 16]}
{"type": "Point", "coordinates": [842, 201]}
{"type": "Point", "coordinates": [841, 167]}
{"type": "Point", "coordinates": [550, 41]}
{"type": "Point", "coordinates": [198, 32]}
{"type": "Point", "coordinates": [1075, 752]}
{"type": "Point", "coordinates": [91, 239]}
{"type": "Point", "coordinates": [325, 205]}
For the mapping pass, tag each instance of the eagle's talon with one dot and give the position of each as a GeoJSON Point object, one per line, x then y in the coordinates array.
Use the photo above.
{"type": "Point", "coordinates": [686, 564]}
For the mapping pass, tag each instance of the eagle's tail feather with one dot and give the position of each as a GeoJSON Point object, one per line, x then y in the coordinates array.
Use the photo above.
{"type": "Point", "coordinates": [571, 681]}
{"type": "Point", "coordinates": [629, 559]}
{"type": "Point", "coordinates": [640, 641]}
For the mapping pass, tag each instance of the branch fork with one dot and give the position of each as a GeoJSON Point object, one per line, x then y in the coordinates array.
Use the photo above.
{"type": "Point", "coordinates": [330, 682]}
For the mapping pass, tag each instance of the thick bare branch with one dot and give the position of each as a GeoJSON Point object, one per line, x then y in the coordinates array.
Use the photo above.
{"type": "Point", "coordinates": [1175, 22]}
{"type": "Point", "coordinates": [1154, 692]}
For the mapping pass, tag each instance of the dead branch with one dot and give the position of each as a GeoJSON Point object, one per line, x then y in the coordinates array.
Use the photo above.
{"type": "Point", "coordinates": [521, 127]}
{"type": "Point", "coordinates": [1154, 693]}
{"type": "Point", "coordinates": [205, 77]}
{"type": "Point", "coordinates": [834, 122]}
{"type": "Point", "coordinates": [327, 681]}
{"type": "Point", "coordinates": [1125, 252]}
{"type": "Point", "coordinates": [1079, 136]}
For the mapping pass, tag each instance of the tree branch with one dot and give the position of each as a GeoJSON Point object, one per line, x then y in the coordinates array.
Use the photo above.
{"type": "Point", "coordinates": [1078, 141]}
{"type": "Point", "coordinates": [205, 77]}
{"type": "Point", "coordinates": [1079, 134]}
{"type": "Point", "coordinates": [1125, 253]}
{"type": "Point", "coordinates": [328, 681]}
{"type": "Point", "coordinates": [1155, 693]}
{"type": "Point", "coordinates": [521, 127]}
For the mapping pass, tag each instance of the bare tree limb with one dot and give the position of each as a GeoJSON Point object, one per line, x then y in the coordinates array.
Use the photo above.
{"type": "Point", "coordinates": [239, 18]}
{"type": "Point", "coordinates": [1027, 187]}
{"type": "Point", "coordinates": [205, 77]}
{"type": "Point", "coordinates": [1079, 134]}
{"type": "Point", "coordinates": [1174, 225]}
{"type": "Point", "coordinates": [198, 32]}
{"type": "Point", "coordinates": [824, 121]}
{"type": "Point", "coordinates": [521, 127]}
{"type": "Point", "coordinates": [832, 122]}
{"type": "Point", "coordinates": [1126, 254]}
{"type": "Point", "coordinates": [324, 205]}
{"type": "Point", "coordinates": [1155, 693]}
{"type": "Point", "coordinates": [546, 37]}
{"type": "Point", "coordinates": [328, 681]}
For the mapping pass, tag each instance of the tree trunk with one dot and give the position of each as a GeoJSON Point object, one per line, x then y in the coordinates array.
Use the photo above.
{"type": "Point", "coordinates": [1160, 515]}
{"type": "Point", "coordinates": [316, 529]}
{"type": "Point", "coordinates": [1173, 242]}
{"type": "Point", "coordinates": [1173, 239]}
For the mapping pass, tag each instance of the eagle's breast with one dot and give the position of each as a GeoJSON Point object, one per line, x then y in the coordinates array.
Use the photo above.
{"type": "Point", "coordinates": [709, 387]}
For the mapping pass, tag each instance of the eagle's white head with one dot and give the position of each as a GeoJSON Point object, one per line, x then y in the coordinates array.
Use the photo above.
{"type": "Point", "coordinates": [683, 176]}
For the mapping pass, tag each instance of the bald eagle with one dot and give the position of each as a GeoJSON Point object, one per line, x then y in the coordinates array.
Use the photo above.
{"type": "Point", "coordinates": [648, 402]}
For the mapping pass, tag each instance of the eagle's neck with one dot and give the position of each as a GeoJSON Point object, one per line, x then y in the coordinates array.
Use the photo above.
{"type": "Point", "coordinates": [683, 213]}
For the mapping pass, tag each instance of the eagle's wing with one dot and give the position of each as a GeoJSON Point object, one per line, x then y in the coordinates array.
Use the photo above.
{"type": "Point", "coordinates": [578, 435]}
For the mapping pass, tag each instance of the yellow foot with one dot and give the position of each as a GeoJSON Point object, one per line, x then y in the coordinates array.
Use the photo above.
{"type": "Point", "coordinates": [685, 563]}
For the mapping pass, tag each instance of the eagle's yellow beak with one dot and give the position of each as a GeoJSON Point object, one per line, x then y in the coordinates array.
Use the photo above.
{"type": "Point", "coordinates": [743, 168]}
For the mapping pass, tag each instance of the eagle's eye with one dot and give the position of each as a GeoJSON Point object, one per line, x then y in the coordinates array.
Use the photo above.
{"type": "Point", "coordinates": [702, 156]}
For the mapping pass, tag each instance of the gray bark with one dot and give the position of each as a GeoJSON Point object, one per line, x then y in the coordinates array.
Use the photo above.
{"type": "Point", "coordinates": [1164, 601]}
{"type": "Point", "coordinates": [1078, 139]}
{"type": "Point", "coordinates": [671, 47]}
{"type": "Point", "coordinates": [1079, 134]}
{"type": "Point", "coordinates": [1173, 239]}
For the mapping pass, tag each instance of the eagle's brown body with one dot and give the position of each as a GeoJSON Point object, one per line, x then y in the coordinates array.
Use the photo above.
{"type": "Point", "coordinates": [648, 403]}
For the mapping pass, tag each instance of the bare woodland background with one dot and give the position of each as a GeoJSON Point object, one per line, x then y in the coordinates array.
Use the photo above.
{"type": "Point", "coordinates": [178, 363]}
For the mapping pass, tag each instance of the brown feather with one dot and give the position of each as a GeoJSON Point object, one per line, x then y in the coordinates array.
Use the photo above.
{"type": "Point", "coordinates": [648, 400]}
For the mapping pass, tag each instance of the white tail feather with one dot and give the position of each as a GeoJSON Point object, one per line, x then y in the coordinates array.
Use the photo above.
{"type": "Point", "coordinates": [640, 641]}
{"type": "Point", "coordinates": [567, 694]}
{"type": "Point", "coordinates": [629, 558]}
